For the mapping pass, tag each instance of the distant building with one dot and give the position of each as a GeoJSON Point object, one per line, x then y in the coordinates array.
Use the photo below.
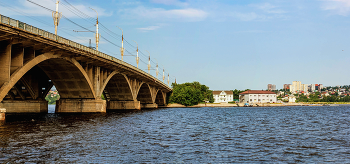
{"type": "Point", "coordinates": [298, 87]}
{"type": "Point", "coordinates": [291, 99]}
{"type": "Point", "coordinates": [223, 96]}
{"type": "Point", "coordinates": [321, 86]}
{"type": "Point", "coordinates": [271, 87]}
{"type": "Point", "coordinates": [304, 87]}
{"type": "Point", "coordinates": [257, 96]}
{"type": "Point", "coordinates": [312, 87]}
{"type": "Point", "coordinates": [318, 87]}
{"type": "Point", "coordinates": [295, 87]}
{"type": "Point", "coordinates": [286, 86]}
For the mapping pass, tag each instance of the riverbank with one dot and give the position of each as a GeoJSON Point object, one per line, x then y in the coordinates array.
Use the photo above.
{"type": "Point", "coordinates": [257, 104]}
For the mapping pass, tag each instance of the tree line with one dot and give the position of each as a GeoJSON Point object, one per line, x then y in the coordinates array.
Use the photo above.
{"type": "Point", "coordinates": [190, 94]}
{"type": "Point", "coordinates": [316, 98]}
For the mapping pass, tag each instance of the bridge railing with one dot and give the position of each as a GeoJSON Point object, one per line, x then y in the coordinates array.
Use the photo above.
{"type": "Point", "coordinates": [46, 34]}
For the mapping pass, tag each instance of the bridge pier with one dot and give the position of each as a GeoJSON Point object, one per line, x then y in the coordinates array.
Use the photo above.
{"type": "Point", "coordinates": [132, 105]}
{"type": "Point", "coordinates": [25, 106]}
{"type": "Point", "coordinates": [80, 105]}
{"type": "Point", "coordinates": [2, 114]}
{"type": "Point", "coordinates": [149, 106]}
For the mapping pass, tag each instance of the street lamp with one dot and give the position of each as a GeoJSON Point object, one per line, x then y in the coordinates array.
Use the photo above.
{"type": "Point", "coordinates": [137, 52]}
{"type": "Point", "coordinates": [122, 49]}
{"type": "Point", "coordinates": [157, 68]}
{"type": "Point", "coordinates": [149, 62]}
{"type": "Point", "coordinates": [97, 34]}
{"type": "Point", "coordinates": [56, 16]}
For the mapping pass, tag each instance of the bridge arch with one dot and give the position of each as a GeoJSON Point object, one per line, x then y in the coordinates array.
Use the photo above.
{"type": "Point", "coordinates": [160, 98]}
{"type": "Point", "coordinates": [117, 87]}
{"type": "Point", "coordinates": [48, 63]}
{"type": "Point", "coordinates": [144, 94]}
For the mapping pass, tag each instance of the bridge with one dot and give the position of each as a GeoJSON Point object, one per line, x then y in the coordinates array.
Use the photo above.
{"type": "Point", "coordinates": [33, 60]}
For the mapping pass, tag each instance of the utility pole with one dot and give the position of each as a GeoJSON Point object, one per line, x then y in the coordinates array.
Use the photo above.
{"type": "Point", "coordinates": [157, 68]}
{"type": "Point", "coordinates": [122, 49]}
{"type": "Point", "coordinates": [149, 62]}
{"type": "Point", "coordinates": [97, 34]}
{"type": "Point", "coordinates": [168, 79]}
{"type": "Point", "coordinates": [137, 53]}
{"type": "Point", "coordinates": [56, 16]}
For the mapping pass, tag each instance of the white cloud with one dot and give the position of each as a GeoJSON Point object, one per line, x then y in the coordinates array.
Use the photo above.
{"type": "Point", "coordinates": [188, 14]}
{"type": "Point", "coordinates": [268, 8]}
{"type": "Point", "coordinates": [170, 2]}
{"type": "Point", "coordinates": [339, 7]}
{"type": "Point", "coordinates": [149, 28]}
{"type": "Point", "coordinates": [252, 16]}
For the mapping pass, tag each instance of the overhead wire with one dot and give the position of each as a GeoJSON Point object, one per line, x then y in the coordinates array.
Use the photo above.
{"type": "Point", "coordinates": [107, 31]}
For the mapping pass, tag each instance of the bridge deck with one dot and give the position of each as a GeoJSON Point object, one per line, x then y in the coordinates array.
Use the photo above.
{"type": "Point", "coordinates": [14, 29]}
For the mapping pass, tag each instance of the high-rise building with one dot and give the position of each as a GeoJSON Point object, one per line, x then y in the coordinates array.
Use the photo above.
{"type": "Point", "coordinates": [312, 87]}
{"type": "Point", "coordinates": [286, 86]}
{"type": "Point", "coordinates": [304, 87]}
{"type": "Point", "coordinates": [295, 87]}
{"type": "Point", "coordinates": [271, 87]}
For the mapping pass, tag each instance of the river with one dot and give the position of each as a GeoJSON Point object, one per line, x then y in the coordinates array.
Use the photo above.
{"type": "Point", "coordinates": [181, 135]}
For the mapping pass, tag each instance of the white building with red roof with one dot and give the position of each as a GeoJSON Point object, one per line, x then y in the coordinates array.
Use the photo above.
{"type": "Point", "coordinates": [223, 96]}
{"type": "Point", "coordinates": [257, 96]}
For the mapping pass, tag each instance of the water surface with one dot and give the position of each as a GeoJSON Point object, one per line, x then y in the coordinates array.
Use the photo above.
{"type": "Point", "coordinates": [181, 135]}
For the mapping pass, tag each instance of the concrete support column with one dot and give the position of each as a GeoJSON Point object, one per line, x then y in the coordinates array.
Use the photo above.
{"type": "Point", "coordinates": [130, 105]}
{"type": "Point", "coordinates": [17, 53]}
{"type": "Point", "coordinates": [149, 106]}
{"type": "Point", "coordinates": [25, 106]}
{"type": "Point", "coordinates": [97, 81]}
{"type": "Point", "coordinates": [80, 106]}
{"type": "Point", "coordinates": [2, 114]}
{"type": "Point", "coordinates": [5, 62]}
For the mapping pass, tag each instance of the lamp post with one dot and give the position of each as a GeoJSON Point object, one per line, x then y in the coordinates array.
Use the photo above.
{"type": "Point", "coordinates": [97, 34]}
{"type": "Point", "coordinates": [137, 54]}
{"type": "Point", "coordinates": [56, 16]}
{"type": "Point", "coordinates": [122, 49]}
{"type": "Point", "coordinates": [149, 62]}
{"type": "Point", "coordinates": [157, 68]}
{"type": "Point", "coordinates": [168, 79]}
{"type": "Point", "coordinates": [163, 74]}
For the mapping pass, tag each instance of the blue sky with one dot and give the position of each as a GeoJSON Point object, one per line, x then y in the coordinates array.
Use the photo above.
{"type": "Point", "coordinates": [224, 44]}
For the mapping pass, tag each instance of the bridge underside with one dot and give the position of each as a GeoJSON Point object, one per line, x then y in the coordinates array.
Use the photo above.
{"type": "Point", "coordinates": [29, 69]}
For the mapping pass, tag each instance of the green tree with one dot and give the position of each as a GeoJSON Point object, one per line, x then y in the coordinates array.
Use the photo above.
{"type": "Point", "coordinates": [237, 92]}
{"type": "Point", "coordinates": [189, 94]}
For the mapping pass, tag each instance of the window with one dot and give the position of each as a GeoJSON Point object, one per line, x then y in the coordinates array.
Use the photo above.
{"type": "Point", "coordinates": [250, 99]}
{"type": "Point", "coordinates": [258, 99]}
{"type": "Point", "coordinates": [267, 95]}
{"type": "Point", "coordinates": [271, 100]}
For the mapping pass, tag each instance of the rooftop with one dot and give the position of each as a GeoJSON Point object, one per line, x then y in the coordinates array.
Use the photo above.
{"type": "Point", "coordinates": [257, 92]}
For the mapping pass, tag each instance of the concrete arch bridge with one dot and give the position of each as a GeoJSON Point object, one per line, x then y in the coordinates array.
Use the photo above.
{"type": "Point", "coordinates": [33, 60]}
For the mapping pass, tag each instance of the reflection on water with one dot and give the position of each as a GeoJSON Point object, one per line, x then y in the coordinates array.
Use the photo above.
{"type": "Point", "coordinates": [181, 135]}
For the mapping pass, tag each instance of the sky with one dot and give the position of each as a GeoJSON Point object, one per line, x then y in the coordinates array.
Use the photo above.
{"type": "Point", "coordinates": [224, 44]}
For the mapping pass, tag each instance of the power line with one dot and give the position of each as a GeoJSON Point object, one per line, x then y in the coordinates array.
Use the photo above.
{"type": "Point", "coordinates": [71, 8]}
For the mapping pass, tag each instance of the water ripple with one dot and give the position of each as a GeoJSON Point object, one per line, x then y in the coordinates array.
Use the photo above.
{"type": "Point", "coordinates": [181, 135]}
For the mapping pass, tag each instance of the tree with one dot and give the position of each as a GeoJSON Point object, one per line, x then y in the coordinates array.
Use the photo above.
{"type": "Point", "coordinates": [237, 92]}
{"type": "Point", "coordinates": [189, 94]}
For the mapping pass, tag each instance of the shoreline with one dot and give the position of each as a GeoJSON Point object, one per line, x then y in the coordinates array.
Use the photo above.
{"type": "Point", "coordinates": [255, 105]}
